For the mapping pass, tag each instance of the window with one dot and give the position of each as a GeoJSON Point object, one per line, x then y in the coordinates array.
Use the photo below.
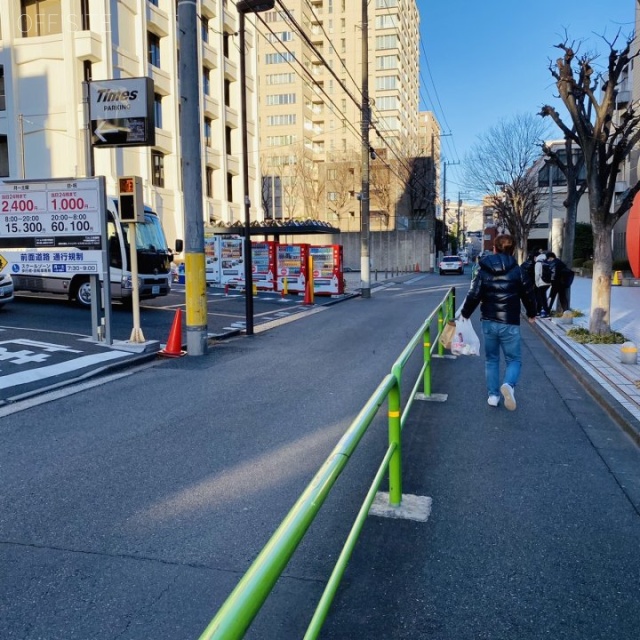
{"type": "Point", "coordinates": [153, 43]}
{"type": "Point", "coordinates": [204, 29]}
{"type": "Point", "coordinates": [229, 187]}
{"type": "Point", "coordinates": [281, 98]}
{"type": "Point", "coordinates": [4, 157]}
{"type": "Point", "coordinates": [280, 78]}
{"type": "Point", "coordinates": [157, 168]}
{"type": "Point", "coordinates": [384, 103]}
{"type": "Point", "coordinates": [209, 182]}
{"type": "Point", "coordinates": [206, 83]}
{"type": "Point", "coordinates": [386, 83]}
{"type": "Point", "coordinates": [225, 44]}
{"type": "Point", "coordinates": [385, 4]}
{"type": "Point", "coordinates": [207, 132]}
{"type": "Point", "coordinates": [386, 62]}
{"type": "Point", "coordinates": [280, 141]}
{"type": "Point", "coordinates": [227, 92]}
{"type": "Point", "coordinates": [386, 22]}
{"type": "Point", "coordinates": [87, 71]}
{"type": "Point", "coordinates": [86, 15]}
{"type": "Point", "coordinates": [282, 119]}
{"type": "Point", "coordinates": [283, 36]}
{"type": "Point", "coordinates": [277, 58]}
{"type": "Point", "coordinates": [157, 109]}
{"type": "Point", "coordinates": [40, 17]}
{"type": "Point", "coordinates": [387, 42]}
{"type": "Point", "coordinates": [227, 139]}
{"type": "Point", "coordinates": [3, 104]}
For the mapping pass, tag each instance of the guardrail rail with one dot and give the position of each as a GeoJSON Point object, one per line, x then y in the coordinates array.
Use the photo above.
{"type": "Point", "coordinates": [238, 611]}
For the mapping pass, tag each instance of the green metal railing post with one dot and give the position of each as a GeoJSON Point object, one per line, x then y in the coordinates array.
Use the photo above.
{"type": "Point", "coordinates": [440, 327]}
{"type": "Point", "coordinates": [395, 430]}
{"type": "Point", "coordinates": [426, 387]}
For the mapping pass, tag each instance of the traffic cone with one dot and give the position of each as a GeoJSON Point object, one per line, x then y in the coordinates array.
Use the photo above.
{"type": "Point", "coordinates": [173, 348]}
{"type": "Point", "coordinates": [417, 268]}
{"type": "Point", "coordinates": [226, 289]}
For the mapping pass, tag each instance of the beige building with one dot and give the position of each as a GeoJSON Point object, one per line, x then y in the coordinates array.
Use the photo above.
{"type": "Point", "coordinates": [47, 50]}
{"type": "Point", "coordinates": [310, 109]}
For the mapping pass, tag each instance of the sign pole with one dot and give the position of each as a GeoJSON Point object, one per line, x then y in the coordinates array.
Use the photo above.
{"type": "Point", "coordinates": [136, 333]}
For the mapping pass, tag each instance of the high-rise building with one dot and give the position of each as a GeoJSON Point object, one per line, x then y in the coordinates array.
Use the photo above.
{"type": "Point", "coordinates": [48, 49]}
{"type": "Point", "coordinates": [310, 94]}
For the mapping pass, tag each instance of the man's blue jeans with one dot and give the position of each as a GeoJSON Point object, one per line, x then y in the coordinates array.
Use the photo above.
{"type": "Point", "coordinates": [506, 337]}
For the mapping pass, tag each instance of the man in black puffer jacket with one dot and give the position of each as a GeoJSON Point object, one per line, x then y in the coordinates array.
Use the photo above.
{"type": "Point", "coordinates": [498, 287]}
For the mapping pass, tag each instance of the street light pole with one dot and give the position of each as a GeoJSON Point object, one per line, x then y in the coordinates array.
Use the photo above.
{"type": "Point", "coordinates": [247, 6]}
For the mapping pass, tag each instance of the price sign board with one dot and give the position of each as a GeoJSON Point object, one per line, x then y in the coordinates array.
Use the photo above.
{"type": "Point", "coordinates": [53, 226]}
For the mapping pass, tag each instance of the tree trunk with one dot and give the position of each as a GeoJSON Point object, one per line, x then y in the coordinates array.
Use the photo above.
{"type": "Point", "coordinates": [600, 320]}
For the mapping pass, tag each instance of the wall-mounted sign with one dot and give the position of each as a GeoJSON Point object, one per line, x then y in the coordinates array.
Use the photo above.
{"type": "Point", "coordinates": [121, 113]}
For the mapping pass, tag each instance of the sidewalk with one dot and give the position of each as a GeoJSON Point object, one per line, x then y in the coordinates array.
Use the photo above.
{"type": "Point", "coordinates": [534, 527]}
{"type": "Point", "coordinates": [614, 385]}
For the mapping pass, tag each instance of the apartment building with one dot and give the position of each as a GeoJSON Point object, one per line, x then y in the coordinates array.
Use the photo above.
{"type": "Point", "coordinates": [49, 49]}
{"type": "Point", "coordinates": [310, 80]}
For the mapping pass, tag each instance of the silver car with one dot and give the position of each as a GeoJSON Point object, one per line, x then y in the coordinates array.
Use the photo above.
{"type": "Point", "coordinates": [6, 289]}
{"type": "Point", "coordinates": [451, 264]}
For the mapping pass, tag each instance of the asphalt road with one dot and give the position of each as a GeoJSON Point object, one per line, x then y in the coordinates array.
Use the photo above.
{"type": "Point", "coordinates": [130, 510]}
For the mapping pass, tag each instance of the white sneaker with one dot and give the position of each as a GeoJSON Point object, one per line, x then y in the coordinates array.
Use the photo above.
{"type": "Point", "coordinates": [509, 397]}
{"type": "Point", "coordinates": [493, 401]}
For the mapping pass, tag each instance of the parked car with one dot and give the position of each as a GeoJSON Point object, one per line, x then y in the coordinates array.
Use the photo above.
{"type": "Point", "coordinates": [6, 289]}
{"type": "Point", "coordinates": [451, 264]}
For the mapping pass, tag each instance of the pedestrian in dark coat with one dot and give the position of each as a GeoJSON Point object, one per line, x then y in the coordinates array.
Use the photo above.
{"type": "Point", "coordinates": [499, 287]}
{"type": "Point", "coordinates": [561, 281]}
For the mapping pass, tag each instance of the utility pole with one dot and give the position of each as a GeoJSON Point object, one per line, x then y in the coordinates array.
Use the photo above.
{"type": "Point", "coordinates": [444, 204]}
{"type": "Point", "coordinates": [458, 235]}
{"type": "Point", "coordinates": [191, 140]}
{"type": "Point", "coordinates": [365, 263]}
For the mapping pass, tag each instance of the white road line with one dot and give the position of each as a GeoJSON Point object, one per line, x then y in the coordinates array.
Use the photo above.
{"type": "Point", "coordinates": [42, 373]}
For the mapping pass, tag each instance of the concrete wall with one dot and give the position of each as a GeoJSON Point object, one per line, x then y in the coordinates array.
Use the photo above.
{"type": "Point", "coordinates": [388, 249]}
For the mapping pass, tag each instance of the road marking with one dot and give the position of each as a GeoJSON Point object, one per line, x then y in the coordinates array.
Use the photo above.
{"type": "Point", "coordinates": [33, 375]}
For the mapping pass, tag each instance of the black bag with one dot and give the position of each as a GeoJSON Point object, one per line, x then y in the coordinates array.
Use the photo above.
{"type": "Point", "coordinates": [545, 274]}
{"type": "Point", "coordinates": [566, 276]}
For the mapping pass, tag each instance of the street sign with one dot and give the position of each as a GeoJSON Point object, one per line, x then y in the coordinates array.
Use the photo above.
{"type": "Point", "coordinates": [121, 113]}
{"type": "Point", "coordinates": [52, 226]}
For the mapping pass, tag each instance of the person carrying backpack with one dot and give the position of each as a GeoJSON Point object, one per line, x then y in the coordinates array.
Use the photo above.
{"type": "Point", "coordinates": [543, 282]}
{"type": "Point", "coordinates": [561, 281]}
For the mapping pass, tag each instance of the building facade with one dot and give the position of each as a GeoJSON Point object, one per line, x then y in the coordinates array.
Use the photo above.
{"type": "Point", "coordinates": [310, 81]}
{"type": "Point", "coordinates": [49, 49]}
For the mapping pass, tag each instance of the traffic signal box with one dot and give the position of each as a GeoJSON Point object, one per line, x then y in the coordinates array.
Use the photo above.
{"type": "Point", "coordinates": [131, 204]}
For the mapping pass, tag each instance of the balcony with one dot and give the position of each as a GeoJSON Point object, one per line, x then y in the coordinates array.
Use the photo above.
{"type": "Point", "coordinates": [231, 117]}
{"type": "Point", "coordinates": [158, 20]}
{"type": "Point", "coordinates": [209, 56]}
{"type": "Point", "coordinates": [233, 165]}
{"type": "Point", "coordinates": [161, 80]}
{"type": "Point", "coordinates": [211, 107]}
{"type": "Point", "coordinates": [213, 157]}
{"type": "Point", "coordinates": [230, 70]}
{"type": "Point", "coordinates": [88, 45]}
{"type": "Point", "coordinates": [164, 141]}
{"type": "Point", "coordinates": [230, 21]}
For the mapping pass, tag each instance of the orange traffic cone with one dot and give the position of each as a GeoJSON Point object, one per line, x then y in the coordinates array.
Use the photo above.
{"type": "Point", "coordinates": [417, 268]}
{"type": "Point", "coordinates": [173, 348]}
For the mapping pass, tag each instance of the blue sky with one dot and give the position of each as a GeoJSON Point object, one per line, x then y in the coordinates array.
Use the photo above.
{"type": "Point", "coordinates": [489, 60]}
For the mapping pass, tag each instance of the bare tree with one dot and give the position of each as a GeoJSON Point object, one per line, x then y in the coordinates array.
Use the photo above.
{"type": "Point", "coordinates": [500, 164]}
{"type": "Point", "coordinates": [605, 140]}
{"type": "Point", "coordinates": [341, 173]}
{"type": "Point", "coordinates": [383, 188]}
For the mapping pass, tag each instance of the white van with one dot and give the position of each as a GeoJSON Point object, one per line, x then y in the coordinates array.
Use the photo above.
{"type": "Point", "coordinates": [154, 264]}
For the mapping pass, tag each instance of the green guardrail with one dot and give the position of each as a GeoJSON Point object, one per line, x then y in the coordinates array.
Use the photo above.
{"type": "Point", "coordinates": [238, 611]}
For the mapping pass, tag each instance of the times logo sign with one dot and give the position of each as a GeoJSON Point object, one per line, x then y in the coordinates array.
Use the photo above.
{"type": "Point", "coordinates": [121, 112]}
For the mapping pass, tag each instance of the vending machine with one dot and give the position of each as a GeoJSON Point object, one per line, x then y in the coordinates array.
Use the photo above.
{"type": "Point", "coordinates": [211, 257]}
{"type": "Point", "coordinates": [263, 264]}
{"type": "Point", "coordinates": [328, 278]}
{"type": "Point", "coordinates": [231, 260]}
{"type": "Point", "coordinates": [293, 264]}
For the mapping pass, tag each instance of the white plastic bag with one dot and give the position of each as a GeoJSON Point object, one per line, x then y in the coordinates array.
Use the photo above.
{"type": "Point", "coordinates": [466, 341]}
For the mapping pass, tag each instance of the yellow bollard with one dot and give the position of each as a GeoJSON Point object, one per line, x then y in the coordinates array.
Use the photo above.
{"type": "Point", "coordinates": [255, 289]}
{"type": "Point", "coordinates": [617, 278]}
{"type": "Point", "coordinates": [285, 287]}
